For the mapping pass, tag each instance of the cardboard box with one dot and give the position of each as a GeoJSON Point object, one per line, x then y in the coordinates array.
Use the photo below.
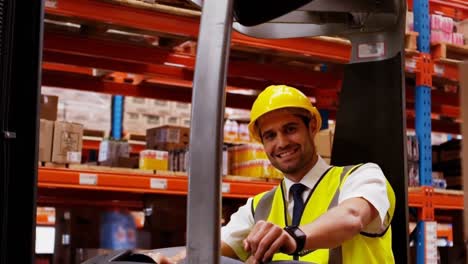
{"type": "Point", "coordinates": [323, 142]}
{"type": "Point", "coordinates": [111, 150]}
{"type": "Point", "coordinates": [49, 105]}
{"type": "Point", "coordinates": [172, 121]}
{"type": "Point", "coordinates": [181, 109]}
{"type": "Point", "coordinates": [167, 137]}
{"type": "Point", "coordinates": [67, 142]}
{"type": "Point", "coordinates": [153, 120]}
{"type": "Point", "coordinates": [158, 107]}
{"type": "Point", "coordinates": [135, 105]}
{"type": "Point", "coordinates": [134, 123]}
{"type": "Point", "coordinates": [154, 160]}
{"type": "Point", "coordinates": [46, 134]}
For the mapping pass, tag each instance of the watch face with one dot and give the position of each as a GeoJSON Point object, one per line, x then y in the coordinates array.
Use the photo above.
{"type": "Point", "coordinates": [298, 232]}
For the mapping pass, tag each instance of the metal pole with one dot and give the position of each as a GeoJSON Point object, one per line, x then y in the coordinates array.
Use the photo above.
{"type": "Point", "coordinates": [463, 72]}
{"type": "Point", "coordinates": [208, 99]}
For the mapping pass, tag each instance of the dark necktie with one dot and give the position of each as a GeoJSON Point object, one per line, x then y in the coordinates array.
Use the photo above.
{"type": "Point", "coordinates": [297, 190]}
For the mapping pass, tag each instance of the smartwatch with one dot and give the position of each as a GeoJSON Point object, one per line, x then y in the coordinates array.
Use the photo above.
{"type": "Point", "coordinates": [299, 236]}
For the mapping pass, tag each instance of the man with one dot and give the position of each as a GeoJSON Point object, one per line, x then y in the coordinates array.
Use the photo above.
{"type": "Point", "coordinates": [337, 215]}
{"type": "Point", "coordinates": [319, 213]}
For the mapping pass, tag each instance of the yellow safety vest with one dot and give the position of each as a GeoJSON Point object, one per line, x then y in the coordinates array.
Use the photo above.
{"type": "Point", "coordinates": [362, 248]}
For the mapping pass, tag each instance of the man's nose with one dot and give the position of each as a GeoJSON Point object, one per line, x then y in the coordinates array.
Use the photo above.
{"type": "Point", "coordinates": [283, 140]}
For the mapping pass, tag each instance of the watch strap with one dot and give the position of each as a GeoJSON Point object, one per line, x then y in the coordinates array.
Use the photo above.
{"type": "Point", "coordinates": [300, 240]}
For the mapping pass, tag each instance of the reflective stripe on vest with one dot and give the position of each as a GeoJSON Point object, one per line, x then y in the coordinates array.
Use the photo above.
{"type": "Point", "coordinates": [271, 206]}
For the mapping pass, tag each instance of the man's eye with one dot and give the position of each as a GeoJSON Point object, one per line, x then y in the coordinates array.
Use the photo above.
{"type": "Point", "coordinates": [268, 136]}
{"type": "Point", "coordinates": [290, 129]}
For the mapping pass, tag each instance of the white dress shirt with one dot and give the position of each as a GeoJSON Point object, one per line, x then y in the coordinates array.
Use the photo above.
{"type": "Point", "coordinates": [368, 182]}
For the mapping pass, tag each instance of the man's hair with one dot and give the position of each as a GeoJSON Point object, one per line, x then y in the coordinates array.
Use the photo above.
{"type": "Point", "coordinates": [303, 114]}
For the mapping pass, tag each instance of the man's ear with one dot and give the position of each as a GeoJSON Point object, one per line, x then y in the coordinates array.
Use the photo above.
{"type": "Point", "coordinates": [313, 127]}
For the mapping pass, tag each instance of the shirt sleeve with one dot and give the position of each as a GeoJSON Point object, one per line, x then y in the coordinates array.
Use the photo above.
{"type": "Point", "coordinates": [238, 228]}
{"type": "Point", "coordinates": [369, 182]}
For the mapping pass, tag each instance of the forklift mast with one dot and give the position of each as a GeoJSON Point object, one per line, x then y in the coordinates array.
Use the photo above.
{"type": "Point", "coordinates": [372, 99]}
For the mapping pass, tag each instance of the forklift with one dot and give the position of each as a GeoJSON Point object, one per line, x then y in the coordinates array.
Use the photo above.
{"type": "Point", "coordinates": [372, 102]}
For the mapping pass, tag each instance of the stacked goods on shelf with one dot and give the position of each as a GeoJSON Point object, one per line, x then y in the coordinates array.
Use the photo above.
{"type": "Point", "coordinates": [442, 30]}
{"type": "Point", "coordinates": [154, 160]}
{"type": "Point", "coordinates": [444, 234]}
{"type": "Point", "coordinates": [251, 160]}
{"type": "Point", "coordinates": [46, 134]}
{"type": "Point", "coordinates": [412, 148]}
{"type": "Point", "coordinates": [446, 158]}
{"type": "Point", "coordinates": [462, 28]}
{"type": "Point", "coordinates": [231, 130]}
{"type": "Point", "coordinates": [410, 34]}
{"type": "Point", "coordinates": [49, 106]}
{"type": "Point", "coordinates": [323, 143]}
{"type": "Point", "coordinates": [116, 153]}
{"type": "Point", "coordinates": [236, 132]}
{"type": "Point", "coordinates": [92, 110]}
{"type": "Point", "coordinates": [67, 143]}
{"type": "Point", "coordinates": [59, 141]}
{"type": "Point", "coordinates": [166, 148]}
{"type": "Point", "coordinates": [141, 114]}
{"type": "Point", "coordinates": [178, 160]}
{"type": "Point", "coordinates": [167, 137]}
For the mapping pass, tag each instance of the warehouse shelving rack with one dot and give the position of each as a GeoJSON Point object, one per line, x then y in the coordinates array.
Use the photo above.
{"type": "Point", "coordinates": [68, 62]}
{"type": "Point", "coordinates": [419, 64]}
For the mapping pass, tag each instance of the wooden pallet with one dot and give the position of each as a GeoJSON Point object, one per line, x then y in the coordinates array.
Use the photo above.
{"type": "Point", "coordinates": [450, 53]}
{"type": "Point", "coordinates": [49, 164]}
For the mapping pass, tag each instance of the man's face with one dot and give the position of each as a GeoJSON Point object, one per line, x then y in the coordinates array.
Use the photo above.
{"type": "Point", "coordinates": [288, 142]}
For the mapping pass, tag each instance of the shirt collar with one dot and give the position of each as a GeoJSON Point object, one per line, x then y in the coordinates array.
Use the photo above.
{"type": "Point", "coordinates": [312, 176]}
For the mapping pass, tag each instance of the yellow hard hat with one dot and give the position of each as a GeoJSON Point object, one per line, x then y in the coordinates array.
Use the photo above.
{"type": "Point", "coordinates": [276, 97]}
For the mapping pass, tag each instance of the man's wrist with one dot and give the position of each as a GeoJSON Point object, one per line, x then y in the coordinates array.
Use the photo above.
{"type": "Point", "coordinates": [300, 237]}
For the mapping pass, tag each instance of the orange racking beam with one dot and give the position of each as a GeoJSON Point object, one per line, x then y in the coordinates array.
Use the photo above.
{"type": "Point", "coordinates": [300, 78]}
{"type": "Point", "coordinates": [67, 68]}
{"type": "Point", "coordinates": [188, 27]}
{"type": "Point", "coordinates": [179, 91]}
{"type": "Point", "coordinates": [437, 97]}
{"type": "Point", "coordinates": [440, 200]}
{"type": "Point", "coordinates": [119, 51]}
{"type": "Point", "coordinates": [166, 89]}
{"type": "Point", "coordinates": [437, 125]}
{"type": "Point", "coordinates": [444, 70]}
{"type": "Point", "coordinates": [102, 54]}
{"type": "Point", "coordinates": [115, 65]}
{"type": "Point", "coordinates": [443, 110]}
{"type": "Point", "coordinates": [138, 182]}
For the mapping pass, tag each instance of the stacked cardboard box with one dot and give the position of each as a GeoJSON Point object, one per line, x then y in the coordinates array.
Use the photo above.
{"type": "Point", "coordinates": [59, 142]}
{"type": "Point", "coordinates": [93, 110]}
{"type": "Point", "coordinates": [167, 138]}
{"type": "Point", "coordinates": [141, 114]}
{"type": "Point", "coordinates": [46, 135]}
{"type": "Point", "coordinates": [49, 104]}
{"type": "Point", "coordinates": [114, 153]}
{"type": "Point", "coordinates": [67, 142]}
{"type": "Point", "coordinates": [447, 159]}
{"type": "Point", "coordinates": [323, 143]}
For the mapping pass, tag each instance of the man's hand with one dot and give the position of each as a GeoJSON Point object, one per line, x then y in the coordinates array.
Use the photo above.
{"type": "Point", "coordinates": [265, 240]}
{"type": "Point", "coordinates": [161, 259]}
